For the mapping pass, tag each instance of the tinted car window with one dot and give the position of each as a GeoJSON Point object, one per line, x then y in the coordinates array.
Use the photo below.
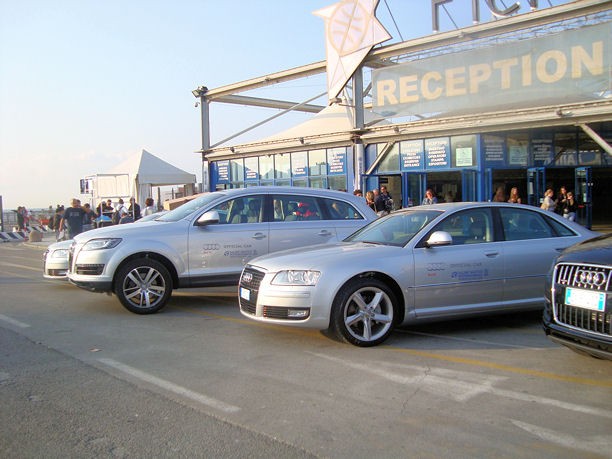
{"type": "Point", "coordinates": [339, 210]}
{"type": "Point", "coordinates": [296, 207]}
{"type": "Point", "coordinates": [520, 224]}
{"type": "Point", "coordinates": [245, 209]}
{"type": "Point", "coordinates": [468, 227]}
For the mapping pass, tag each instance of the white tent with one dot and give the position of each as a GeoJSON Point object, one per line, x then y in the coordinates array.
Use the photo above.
{"type": "Point", "coordinates": [136, 176]}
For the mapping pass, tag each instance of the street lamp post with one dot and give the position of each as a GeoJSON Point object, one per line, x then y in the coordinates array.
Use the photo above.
{"type": "Point", "coordinates": [200, 93]}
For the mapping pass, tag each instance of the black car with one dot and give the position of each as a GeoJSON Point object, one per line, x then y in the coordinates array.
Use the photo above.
{"type": "Point", "coordinates": [578, 311]}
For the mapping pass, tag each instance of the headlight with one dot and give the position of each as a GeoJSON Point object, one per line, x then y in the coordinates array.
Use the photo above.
{"type": "Point", "coordinates": [101, 244]}
{"type": "Point", "coordinates": [60, 253]}
{"type": "Point", "coordinates": [296, 277]}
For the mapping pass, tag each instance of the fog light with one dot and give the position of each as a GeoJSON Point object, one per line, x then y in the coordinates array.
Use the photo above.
{"type": "Point", "coordinates": [297, 313]}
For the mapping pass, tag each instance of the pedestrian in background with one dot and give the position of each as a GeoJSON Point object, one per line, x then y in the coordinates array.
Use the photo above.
{"type": "Point", "coordinates": [150, 208]}
{"type": "Point", "coordinates": [429, 198]}
{"type": "Point", "coordinates": [72, 221]}
{"type": "Point", "coordinates": [514, 196]}
{"type": "Point", "coordinates": [134, 209]}
{"type": "Point", "coordinates": [549, 203]}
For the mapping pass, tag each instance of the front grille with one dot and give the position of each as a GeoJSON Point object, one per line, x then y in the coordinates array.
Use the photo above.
{"type": "Point", "coordinates": [89, 270]}
{"type": "Point", "coordinates": [587, 277]}
{"type": "Point", "coordinates": [250, 279]}
{"type": "Point", "coordinates": [590, 277]}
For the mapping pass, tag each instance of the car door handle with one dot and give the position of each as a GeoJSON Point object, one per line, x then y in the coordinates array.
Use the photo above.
{"type": "Point", "coordinates": [259, 236]}
{"type": "Point", "coordinates": [325, 233]}
{"type": "Point", "coordinates": [491, 254]}
{"type": "Point", "coordinates": [560, 249]}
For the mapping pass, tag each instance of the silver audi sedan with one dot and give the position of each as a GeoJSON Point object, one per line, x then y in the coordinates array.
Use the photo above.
{"type": "Point", "coordinates": [425, 263]}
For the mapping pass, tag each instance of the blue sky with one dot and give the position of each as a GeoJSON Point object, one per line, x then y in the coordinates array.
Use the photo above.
{"type": "Point", "coordinates": [86, 83]}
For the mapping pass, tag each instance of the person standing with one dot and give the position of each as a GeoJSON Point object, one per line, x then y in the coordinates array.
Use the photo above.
{"type": "Point", "coordinates": [383, 203]}
{"type": "Point", "coordinates": [570, 206]}
{"type": "Point", "coordinates": [500, 194]}
{"type": "Point", "coordinates": [514, 196]}
{"type": "Point", "coordinates": [429, 198]}
{"type": "Point", "coordinates": [72, 221]}
{"type": "Point", "coordinates": [549, 203]}
{"type": "Point", "coordinates": [370, 198]}
{"type": "Point", "coordinates": [20, 219]}
{"type": "Point", "coordinates": [134, 209]}
{"type": "Point", "coordinates": [150, 208]}
{"type": "Point", "coordinates": [561, 198]}
{"type": "Point", "coordinates": [89, 217]}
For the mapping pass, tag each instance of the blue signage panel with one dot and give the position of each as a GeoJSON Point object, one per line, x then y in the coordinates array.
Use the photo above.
{"type": "Point", "coordinates": [412, 154]}
{"type": "Point", "coordinates": [336, 161]}
{"type": "Point", "coordinates": [223, 171]}
{"type": "Point", "coordinates": [542, 151]}
{"type": "Point", "coordinates": [494, 149]}
{"type": "Point", "coordinates": [437, 153]}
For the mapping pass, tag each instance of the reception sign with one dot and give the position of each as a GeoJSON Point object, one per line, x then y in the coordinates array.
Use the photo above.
{"type": "Point", "coordinates": [569, 66]}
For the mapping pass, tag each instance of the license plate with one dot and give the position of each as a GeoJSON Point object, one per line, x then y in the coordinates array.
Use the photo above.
{"type": "Point", "coordinates": [245, 294]}
{"type": "Point", "coordinates": [595, 301]}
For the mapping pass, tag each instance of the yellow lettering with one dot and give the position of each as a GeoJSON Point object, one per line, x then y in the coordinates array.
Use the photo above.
{"type": "Point", "coordinates": [408, 89]}
{"type": "Point", "coordinates": [426, 89]}
{"type": "Point", "coordinates": [505, 67]}
{"type": "Point", "coordinates": [455, 82]}
{"type": "Point", "coordinates": [385, 93]}
{"type": "Point", "coordinates": [593, 63]}
{"type": "Point", "coordinates": [479, 73]}
{"type": "Point", "coordinates": [542, 70]}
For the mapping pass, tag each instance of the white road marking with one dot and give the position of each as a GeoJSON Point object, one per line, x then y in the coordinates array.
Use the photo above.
{"type": "Point", "coordinates": [12, 265]}
{"type": "Point", "coordinates": [594, 444]}
{"type": "Point", "coordinates": [195, 396]}
{"type": "Point", "coordinates": [13, 321]}
{"type": "Point", "coordinates": [460, 386]}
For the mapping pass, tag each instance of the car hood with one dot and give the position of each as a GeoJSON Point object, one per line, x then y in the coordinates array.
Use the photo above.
{"type": "Point", "coordinates": [326, 255]}
{"type": "Point", "coordinates": [139, 229]}
{"type": "Point", "coordinates": [596, 250]}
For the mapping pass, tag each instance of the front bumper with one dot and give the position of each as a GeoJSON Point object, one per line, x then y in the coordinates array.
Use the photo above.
{"type": "Point", "coordinates": [585, 342]}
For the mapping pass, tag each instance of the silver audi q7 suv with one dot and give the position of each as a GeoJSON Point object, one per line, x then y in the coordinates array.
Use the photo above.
{"type": "Point", "coordinates": [208, 240]}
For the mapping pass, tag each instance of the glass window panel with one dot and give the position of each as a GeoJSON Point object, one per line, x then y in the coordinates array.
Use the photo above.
{"type": "Point", "coordinates": [266, 167]}
{"type": "Point", "coordinates": [282, 166]}
{"type": "Point", "coordinates": [390, 162]}
{"type": "Point", "coordinates": [317, 162]}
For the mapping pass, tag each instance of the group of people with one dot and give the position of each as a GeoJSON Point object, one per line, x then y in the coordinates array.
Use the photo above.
{"type": "Point", "coordinates": [564, 204]}
{"type": "Point", "coordinates": [379, 200]}
{"type": "Point", "coordinates": [70, 221]}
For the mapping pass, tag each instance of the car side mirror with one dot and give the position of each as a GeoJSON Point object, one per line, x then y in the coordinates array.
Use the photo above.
{"type": "Point", "coordinates": [439, 238]}
{"type": "Point", "coordinates": [208, 218]}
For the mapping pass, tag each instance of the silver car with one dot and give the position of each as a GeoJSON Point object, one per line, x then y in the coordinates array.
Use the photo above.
{"type": "Point", "coordinates": [55, 260]}
{"type": "Point", "coordinates": [208, 240]}
{"type": "Point", "coordinates": [439, 262]}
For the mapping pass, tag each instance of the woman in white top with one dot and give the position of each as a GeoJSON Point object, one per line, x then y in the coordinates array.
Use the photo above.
{"type": "Point", "coordinates": [549, 203]}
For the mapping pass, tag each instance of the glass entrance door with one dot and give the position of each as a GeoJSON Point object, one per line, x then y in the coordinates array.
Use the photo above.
{"type": "Point", "coordinates": [536, 185]}
{"type": "Point", "coordinates": [583, 192]}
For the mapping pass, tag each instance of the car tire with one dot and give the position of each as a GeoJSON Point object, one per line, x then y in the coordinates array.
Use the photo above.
{"type": "Point", "coordinates": [363, 312]}
{"type": "Point", "coordinates": [143, 286]}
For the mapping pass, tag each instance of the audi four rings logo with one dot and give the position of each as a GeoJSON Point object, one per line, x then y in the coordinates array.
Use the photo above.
{"type": "Point", "coordinates": [591, 278]}
{"type": "Point", "coordinates": [207, 247]}
{"type": "Point", "coordinates": [247, 278]}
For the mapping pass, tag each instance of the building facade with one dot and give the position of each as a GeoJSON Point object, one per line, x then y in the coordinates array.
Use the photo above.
{"type": "Point", "coordinates": [521, 102]}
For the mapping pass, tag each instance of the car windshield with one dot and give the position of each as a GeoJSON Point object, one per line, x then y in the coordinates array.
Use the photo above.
{"type": "Point", "coordinates": [189, 207]}
{"type": "Point", "coordinates": [395, 229]}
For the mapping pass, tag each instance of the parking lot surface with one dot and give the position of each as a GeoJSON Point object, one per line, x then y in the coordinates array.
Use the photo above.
{"type": "Point", "coordinates": [492, 387]}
